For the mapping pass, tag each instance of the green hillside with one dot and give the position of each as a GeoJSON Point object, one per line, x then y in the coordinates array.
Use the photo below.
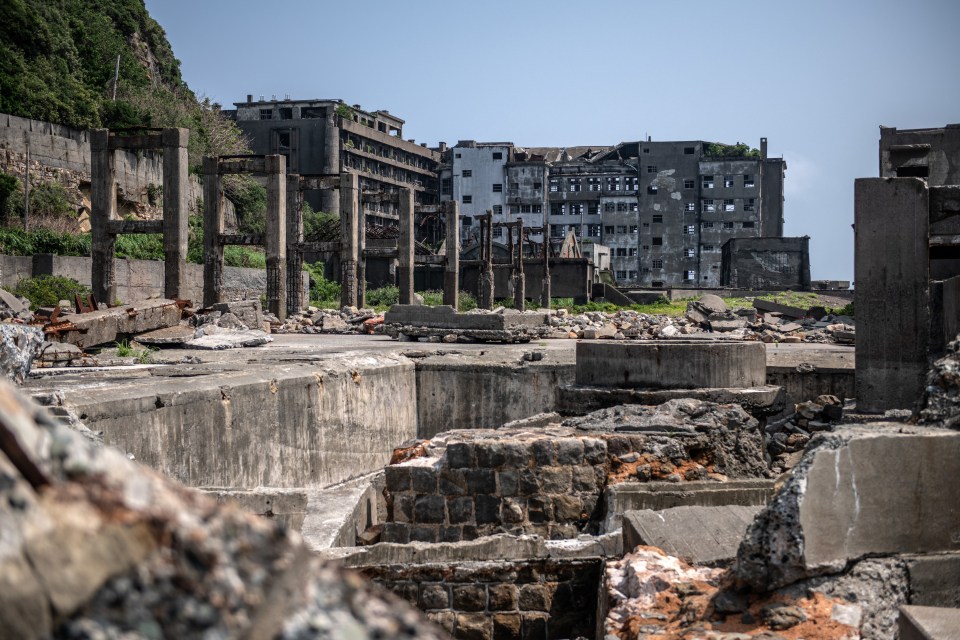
{"type": "Point", "coordinates": [57, 63]}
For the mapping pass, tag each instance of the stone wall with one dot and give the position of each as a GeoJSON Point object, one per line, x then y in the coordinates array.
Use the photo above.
{"type": "Point", "coordinates": [528, 599]}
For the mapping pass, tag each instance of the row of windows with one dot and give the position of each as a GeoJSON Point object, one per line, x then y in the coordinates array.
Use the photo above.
{"type": "Point", "coordinates": [497, 155]}
{"type": "Point", "coordinates": [629, 183]}
{"type": "Point", "coordinates": [593, 230]}
{"type": "Point", "coordinates": [708, 205]}
{"type": "Point", "coordinates": [626, 275]}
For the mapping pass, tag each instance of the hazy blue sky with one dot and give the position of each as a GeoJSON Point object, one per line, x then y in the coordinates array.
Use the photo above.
{"type": "Point", "coordinates": [816, 77]}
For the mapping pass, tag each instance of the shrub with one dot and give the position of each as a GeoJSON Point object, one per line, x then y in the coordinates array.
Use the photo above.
{"type": "Point", "coordinates": [383, 297]}
{"type": "Point", "coordinates": [50, 199]}
{"type": "Point", "coordinates": [47, 291]}
{"type": "Point", "coordinates": [323, 292]}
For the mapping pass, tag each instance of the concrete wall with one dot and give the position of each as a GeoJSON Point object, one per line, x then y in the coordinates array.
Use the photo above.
{"type": "Point", "coordinates": [766, 263]}
{"type": "Point", "coordinates": [569, 278]}
{"type": "Point", "coordinates": [137, 279]}
{"type": "Point", "coordinates": [485, 172]}
{"type": "Point", "coordinates": [283, 426]}
{"type": "Point", "coordinates": [930, 153]}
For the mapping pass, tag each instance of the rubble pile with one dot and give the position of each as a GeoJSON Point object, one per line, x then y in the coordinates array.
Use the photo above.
{"type": "Point", "coordinates": [19, 345]}
{"type": "Point", "coordinates": [14, 309]}
{"type": "Point", "coordinates": [787, 438]}
{"type": "Point", "coordinates": [940, 403]}
{"type": "Point", "coordinates": [95, 546]}
{"type": "Point", "coordinates": [346, 320]}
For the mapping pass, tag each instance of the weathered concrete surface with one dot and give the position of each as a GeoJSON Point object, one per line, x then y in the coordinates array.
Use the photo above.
{"type": "Point", "coordinates": [574, 400]}
{"type": "Point", "coordinates": [635, 496]}
{"type": "Point", "coordinates": [19, 345]}
{"type": "Point", "coordinates": [335, 516]}
{"type": "Point", "coordinates": [698, 535]}
{"type": "Point", "coordinates": [671, 365]}
{"type": "Point", "coordinates": [285, 505]}
{"type": "Point", "coordinates": [232, 425]}
{"type": "Point", "coordinates": [934, 579]}
{"type": "Point", "coordinates": [108, 325]}
{"type": "Point", "coordinates": [446, 317]}
{"type": "Point", "coordinates": [843, 502]}
{"type": "Point", "coordinates": [929, 623]}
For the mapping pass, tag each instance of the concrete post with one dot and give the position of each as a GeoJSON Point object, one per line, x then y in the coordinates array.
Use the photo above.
{"type": "Point", "coordinates": [405, 246]}
{"type": "Point", "coordinates": [103, 198]}
{"type": "Point", "coordinates": [486, 270]}
{"type": "Point", "coordinates": [349, 204]}
{"type": "Point", "coordinates": [519, 280]}
{"type": "Point", "coordinates": [545, 284]}
{"type": "Point", "coordinates": [294, 238]}
{"type": "Point", "coordinates": [275, 238]}
{"type": "Point", "coordinates": [212, 228]}
{"type": "Point", "coordinates": [451, 273]}
{"type": "Point", "coordinates": [330, 198]}
{"type": "Point", "coordinates": [361, 256]}
{"type": "Point", "coordinates": [176, 209]}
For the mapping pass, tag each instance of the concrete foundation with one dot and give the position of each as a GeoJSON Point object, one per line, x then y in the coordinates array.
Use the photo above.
{"type": "Point", "coordinates": [671, 365]}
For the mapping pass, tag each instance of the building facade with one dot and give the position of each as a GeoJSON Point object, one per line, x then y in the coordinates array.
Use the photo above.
{"type": "Point", "coordinates": [328, 137]}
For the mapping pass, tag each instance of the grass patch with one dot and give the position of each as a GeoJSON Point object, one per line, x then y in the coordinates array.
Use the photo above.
{"type": "Point", "coordinates": [48, 291]}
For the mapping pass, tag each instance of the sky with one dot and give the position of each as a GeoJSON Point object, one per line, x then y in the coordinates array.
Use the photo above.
{"type": "Point", "coordinates": [817, 78]}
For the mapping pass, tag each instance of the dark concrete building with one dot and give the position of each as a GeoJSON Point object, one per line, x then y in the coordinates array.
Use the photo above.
{"type": "Point", "coordinates": [327, 137]}
{"type": "Point", "coordinates": [931, 154]}
{"type": "Point", "coordinates": [766, 264]}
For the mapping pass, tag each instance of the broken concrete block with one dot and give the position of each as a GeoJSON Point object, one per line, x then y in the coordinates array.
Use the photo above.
{"type": "Point", "coordinates": [58, 352]}
{"type": "Point", "coordinates": [109, 325]}
{"type": "Point", "coordinates": [249, 312]}
{"type": "Point", "coordinates": [842, 503]}
{"type": "Point", "coordinates": [230, 339]}
{"type": "Point", "coordinates": [19, 345]}
{"type": "Point", "coordinates": [783, 309]}
{"type": "Point", "coordinates": [697, 535]}
{"type": "Point", "coordinates": [178, 334]}
{"type": "Point", "coordinates": [929, 623]}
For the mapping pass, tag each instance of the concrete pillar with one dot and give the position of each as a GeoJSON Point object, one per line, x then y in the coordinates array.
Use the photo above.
{"type": "Point", "coordinates": [405, 246]}
{"type": "Point", "coordinates": [545, 284]}
{"type": "Point", "coordinates": [349, 219]}
{"type": "Point", "coordinates": [361, 257]}
{"type": "Point", "coordinates": [275, 238]}
{"type": "Point", "coordinates": [176, 209]}
{"type": "Point", "coordinates": [330, 198]}
{"type": "Point", "coordinates": [212, 228]}
{"type": "Point", "coordinates": [451, 273]}
{"type": "Point", "coordinates": [103, 199]}
{"type": "Point", "coordinates": [486, 269]}
{"type": "Point", "coordinates": [519, 280]}
{"type": "Point", "coordinates": [892, 272]}
{"type": "Point", "coordinates": [294, 238]}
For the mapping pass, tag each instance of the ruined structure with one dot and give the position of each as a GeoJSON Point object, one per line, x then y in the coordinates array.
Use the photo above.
{"type": "Point", "coordinates": [766, 264]}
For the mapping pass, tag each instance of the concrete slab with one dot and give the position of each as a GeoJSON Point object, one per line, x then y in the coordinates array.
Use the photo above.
{"type": "Point", "coordinates": [445, 317]}
{"type": "Point", "coordinates": [576, 400]}
{"type": "Point", "coordinates": [697, 535]}
{"type": "Point", "coordinates": [934, 579]}
{"type": "Point", "coordinates": [929, 623]}
{"type": "Point", "coordinates": [178, 334]}
{"type": "Point", "coordinates": [108, 325]}
{"type": "Point", "coordinates": [671, 364]}
{"type": "Point", "coordinates": [286, 505]}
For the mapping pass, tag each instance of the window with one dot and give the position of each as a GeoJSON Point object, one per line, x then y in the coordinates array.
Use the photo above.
{"type": "Point", "coordinates": [707, 182]}
{"type": "Point", "coordinates": [652, 189]}
{"type": "Point", "coordinates": [657, 284]}
{"type": "Point", "coordinates": [621, 275]}
{"type": "Point", "coordinates": [690, 206]}
{"type": "Point", "coordinates": [748, 182]}
{"type": "Point", "coordinates": [556, 230]}
{"type": "Point", "coordinates": [748, 224]}
{"type": "Point", "coordinates": [728, 205]}
{"type": "Point", "coordinates": [498, 188]}
{"type": "Point", "coordinates": [524, 208]}
{"type": "Point", "coordinates": [657, 241]}
{"type": "Point", "coordinates": [689, 150]}
{"type": "Point", "coordinates": [706, 225]}
{"type": "Point", "coordinates": [593, 184]}
{"type": "Point", "coordinates": [536, 208]}
{"type": "Point", "coordinates": [622, 206]}
{"type": "Point", "coordinates": [467, 199]}
{"type": "Point", "coordinates": [498, 232]}
{"type": "Point", "coordinates": [634, 229]}
{"type": "Point", "coordinates": [456, 155]}
{"type": "Point", "coordinates": [621, 228]}
{"type": "Point", "coordinates": [609, 206]}
{"type": "Point", "coordinates": [446, 186]}
{"type": "Point", "coordinates": [613, 184]}
{"type": "Point", "coordinates": [646, 225]}
{"type": "Point", "coordinates": [658, 218]}
{"type": "Point", "coordinates": [556, 209]}
{"type": "Point", "coordinates": [285, 113]}
{"type": "Point", "coordinates": [575, 229]}
{"type": "Point", "coordinates": [498, 210]}
{"type": "Point", "coordinates": [576, 208]}
{"type": "Point", "coordinates": [632, 251]}
{"type": "Point", "coordinates": [574, 184]}
{"type": "Point", "coordinates": [708, 247]}
{"type": "Point", "coordinates": [728, 225]}
{"type": "Point", "coordinates": [688, 253]}
{"type": "Point", "coordinates": [467, 221]}
{"type": "Point", "coordinates": [593, 230]}
{"type": "Point", "coordinates": [728, 182]}
{"type": "Point", "coordinates": [266, 114]}
{"type": "Point", "coordinates": [630, 183]}
{"type": "Point", "coordinates": [467, 173]}
{"type": "Point", "coordinates": [593, 208]}
{"type": "Point", "coordinates": [646, 149]}
{"type": "Point", "coordinates": [538, 185]}
{"type": "Point", "coordinates": [634, 206]}
{"type": "Point", "coordinates": [689, 183]}
{"type": "Point", "coordinates": [632, 275]}
{"type": "Point", "coordinates": [620, 252]}
{"type": "Point", "coordinates": [646, 247]}
{"type": "Point", "coordinates": [690, 229]}
{"type": "Point", "coordinates": [554, 185]}
{"type": "Point", "coordinates": [651, 168]}
{"type": "Point", "coordinates": [749, 204]}
{"type": "Point", "coordinates": [497, 155]}
{"type": "Point", "coordinates": [688, 276]}
{"type": "Point", "coordinates": [658, 264]}
{"type": "Point", "coordinates": [708, 206]}
{"type": "Point", "coordinates": [514, 209]}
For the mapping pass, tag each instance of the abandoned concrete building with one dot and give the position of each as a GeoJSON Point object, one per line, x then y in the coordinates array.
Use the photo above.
{"type": "Point", "coordinates": [327, 137]}
{"type": "Point", "coordinates": [665, 209]}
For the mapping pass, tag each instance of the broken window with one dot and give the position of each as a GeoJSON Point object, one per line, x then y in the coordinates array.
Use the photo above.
{"type": "Point", "coordinates": [658, 264]}
{"type": "Point", "coordinates": [524, 208]}
{"type": "Point", "coordinates": [467, 173]}
{"type": "Point", "coordinates": [658, 218]}
{"type": "Point", "coordinates": [635, 207]}
{"type": "Point", "coordinates": [593, 208]}
{"type": "Point", "coordinates": [632, 251]}
{"type": "Point", "coordinates": [593, 184]}
{"type": "Point", "coordinates": [748, 224]}
{"type": "Point", "coordinates": [621, 275]}
{"type": "Point", "coordinates": [690, 229]}
{"type": "Point", "coordinates": [537, 208]}
{"type": "Point", "coordinates": [708, 206]}
{"type": "Point", "coordinates": [728, 225]}
{"type": "Point", "coordinates": [728, 182]}
{"type": "Point", "coordinates": [498, 232]}
{"type": "Point", "coordinates": [285, 113]}
{"type": "Point", "coordinates": [657, 284]}
{"type": "Point", "coordinates": [498, 188]}
{"type": "Point", "coordinates": [573, 184]}
{"type": "Point", "coordinates": [498, 210]}
{"type": "Point", "coordinates": [446, 186]}
{"type": "Point", "coordinates": [309, 113]}
{"type": "Point", "coordinates": [707, 247]}
{"type": "Point", "coordinates": [609, 206]}
{"type": "Point", "coordinates": [728, 205]}
{"type": "Point", "coordinates": [630, 183]}
{"type": "Point", "coordinates": [652, 189]}
{"type": "Point", "coordinates": [576, 208]}
{"type": "Point", "coordinates": [748, 182]}
{"type": "Point", "coordinates": [657, 241]}
{"type": "Point", "coordinates": [538, 185]}
{"type": "Point", "coordinates": [632, 275]}
{"type": "Point", "coordinates": [556, 209]}
{"type": "Point", "coordinates": [498, 155]}
{"type": "Point", "coordinates": [706, 225]}
{"type": "Point", "coordinates": [467, 199]}
{"type": "Point", "coordinates": [707, 182]}
{"type": "Point", "coordinates": [621, 228]}
{"type": "Point", "coordinates": [467, 221]}
{"type": "Point", "coordinates": [266, 114]}
{"type": "Point", "coordinates": [621, 206]}
{"type": "Point", "coordinates": [689, 183]}
{"type": "Point", "coordinates": [688, 276]}
{"type": "Point", "coordinates": [620, 252]}
{"type": "Point", "coordinates": [593, 230]}
{"type": "Point", "coordinates": [689, 151]}
{"type": "Point", "coordinates": [690, 206]}
{"type": "Point", "coordinates": [634, 229]}
{"type": "Point", "coordinates": [556, 230]}
{"type": "Point", "coordinates": [651, 168]}
{"type": "Point", "coordinates": [554, 185]}
{"type": "Point", "coordinates": [613, 184]}
{"type": "Point", "coordinates": [749, 204]}
{"type": "Point", "coordinates": [688, 253]}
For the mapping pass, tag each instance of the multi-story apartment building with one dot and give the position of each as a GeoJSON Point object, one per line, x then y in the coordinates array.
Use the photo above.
{"type": "Point", "coordinates": [474, 175]}
{"type": "Point", "coordinates": [327, 137]}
